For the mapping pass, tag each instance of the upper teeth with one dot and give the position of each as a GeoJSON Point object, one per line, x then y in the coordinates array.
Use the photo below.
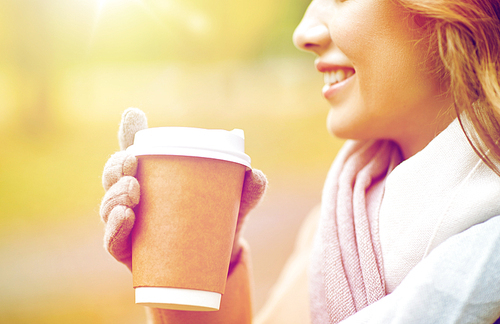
{"type": "Point", "coordinates": [332, 77]}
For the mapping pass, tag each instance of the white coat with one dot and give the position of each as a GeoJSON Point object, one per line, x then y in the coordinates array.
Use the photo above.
{"type": "Point", "coordinates": [430, 198]}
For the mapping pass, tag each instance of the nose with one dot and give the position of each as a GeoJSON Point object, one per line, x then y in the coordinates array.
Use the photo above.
{"type": "Point", "coordinates": [311, 34]}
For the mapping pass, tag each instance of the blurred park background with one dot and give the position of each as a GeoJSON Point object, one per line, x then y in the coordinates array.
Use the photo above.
{"type": "Point", "coordinates": [68, 68]}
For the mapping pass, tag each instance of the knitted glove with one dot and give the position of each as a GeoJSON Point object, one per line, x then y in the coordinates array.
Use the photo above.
{"type": "Point", "coordinates": [123, 193]}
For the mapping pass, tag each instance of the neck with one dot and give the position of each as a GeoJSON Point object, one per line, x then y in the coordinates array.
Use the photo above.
{"type": "Point", "coordinates": [411, 145]}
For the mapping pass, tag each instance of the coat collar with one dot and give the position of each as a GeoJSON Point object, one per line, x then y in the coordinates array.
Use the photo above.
{"type": "Point", "coordinates": [440, 191]}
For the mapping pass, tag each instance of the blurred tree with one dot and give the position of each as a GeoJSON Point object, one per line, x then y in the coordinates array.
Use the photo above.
{"type": "Point", "coordinates": [41, 38]}
{"type": "Point", "coordinates": [27, 51]}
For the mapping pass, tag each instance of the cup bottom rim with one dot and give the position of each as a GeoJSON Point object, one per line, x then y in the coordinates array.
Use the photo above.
{"type": "Point", "coordinates": [177, 298]}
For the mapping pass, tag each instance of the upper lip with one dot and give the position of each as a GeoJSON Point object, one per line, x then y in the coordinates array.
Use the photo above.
{"type": "Point", "coordinates": [323, 67]}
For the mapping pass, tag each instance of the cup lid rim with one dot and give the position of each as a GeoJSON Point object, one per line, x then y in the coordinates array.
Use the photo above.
{"type": "Point", "coordinates": [190, 141]}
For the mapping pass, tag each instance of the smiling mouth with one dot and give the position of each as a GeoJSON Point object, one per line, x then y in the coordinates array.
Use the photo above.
{"type": "Point", "coordinates": [336, 80]}
{"type": "Point", "coordinates": [333, 77]}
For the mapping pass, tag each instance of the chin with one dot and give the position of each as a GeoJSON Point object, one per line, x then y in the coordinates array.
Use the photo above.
{"type": "Point", "coordinates": [337, 128]}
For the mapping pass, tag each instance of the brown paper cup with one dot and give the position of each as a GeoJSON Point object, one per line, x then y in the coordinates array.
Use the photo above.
{"type": "Point", "coordinates": [185, 221]}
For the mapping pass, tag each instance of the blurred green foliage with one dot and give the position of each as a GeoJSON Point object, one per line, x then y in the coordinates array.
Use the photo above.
{"type": "Point", "coordinates": [69, 67]}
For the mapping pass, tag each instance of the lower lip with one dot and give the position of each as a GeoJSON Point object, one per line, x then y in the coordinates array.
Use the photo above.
{"type": "Point", "coordinates": [329, 91]}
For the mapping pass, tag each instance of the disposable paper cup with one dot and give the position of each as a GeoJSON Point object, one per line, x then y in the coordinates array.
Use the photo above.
{"type": "Point", "coordinates": [191, 181]}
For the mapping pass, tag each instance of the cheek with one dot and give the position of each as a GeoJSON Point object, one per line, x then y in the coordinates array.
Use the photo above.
{"type": "Point", "coordinates": [349, 37]}
{"type": "Point", "coordinates": [356, 27]}
{"type": "Point", "coordinates": [376, 38]}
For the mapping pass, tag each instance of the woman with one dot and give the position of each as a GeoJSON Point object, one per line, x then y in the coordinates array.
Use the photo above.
{"type": "Point", "coordinates": [407, 231]}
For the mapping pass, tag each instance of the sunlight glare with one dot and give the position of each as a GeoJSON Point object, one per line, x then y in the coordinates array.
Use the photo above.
{"type": "Point", "coordinates": [169, 15]}
{"type": "Point", "coordinates": [100, 7]}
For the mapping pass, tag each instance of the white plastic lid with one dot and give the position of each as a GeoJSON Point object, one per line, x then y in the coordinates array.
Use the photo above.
{"type": "Point", "coordinates": [189, 141]}
{"type": "Point", "coordinates": [178, 299]}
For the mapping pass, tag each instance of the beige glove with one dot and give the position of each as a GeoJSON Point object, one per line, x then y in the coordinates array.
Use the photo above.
{"type": "Point", "coordinates": [123, 193]}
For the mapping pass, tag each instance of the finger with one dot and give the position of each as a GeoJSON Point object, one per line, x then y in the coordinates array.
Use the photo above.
{"type": "Point", "coordinates": [117, 234]}
{"type": "Point", "coordinates": [125, 192]}
{"type": "Point", "coordinates": [133, 120]}
{"type": "Point", "coordinates": [119, 165]}
{"type": "Point", "coordinates": [254, 188]}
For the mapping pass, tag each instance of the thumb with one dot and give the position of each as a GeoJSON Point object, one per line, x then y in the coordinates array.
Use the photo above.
{"type": "Point", "coordinates": [133, 120]}
{"type": "Point", "coordinates": [254, 188]}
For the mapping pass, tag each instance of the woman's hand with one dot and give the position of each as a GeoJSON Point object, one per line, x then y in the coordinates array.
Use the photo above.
{"type": "Point", "coordinates": [123, 193]}
{"type": "Point", "coordinates": [122, 190]}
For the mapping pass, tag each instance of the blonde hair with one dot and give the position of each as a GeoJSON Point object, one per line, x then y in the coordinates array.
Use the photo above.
{"type": "Point", "coordinates": [464, 40]}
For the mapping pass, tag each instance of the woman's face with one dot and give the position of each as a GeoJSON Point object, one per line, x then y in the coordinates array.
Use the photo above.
{"type": "Point", "coordinates": [377, 78]}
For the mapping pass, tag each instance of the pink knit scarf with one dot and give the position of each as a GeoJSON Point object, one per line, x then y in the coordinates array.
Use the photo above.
{"type": "Point", "coordinates": [346, 267]}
